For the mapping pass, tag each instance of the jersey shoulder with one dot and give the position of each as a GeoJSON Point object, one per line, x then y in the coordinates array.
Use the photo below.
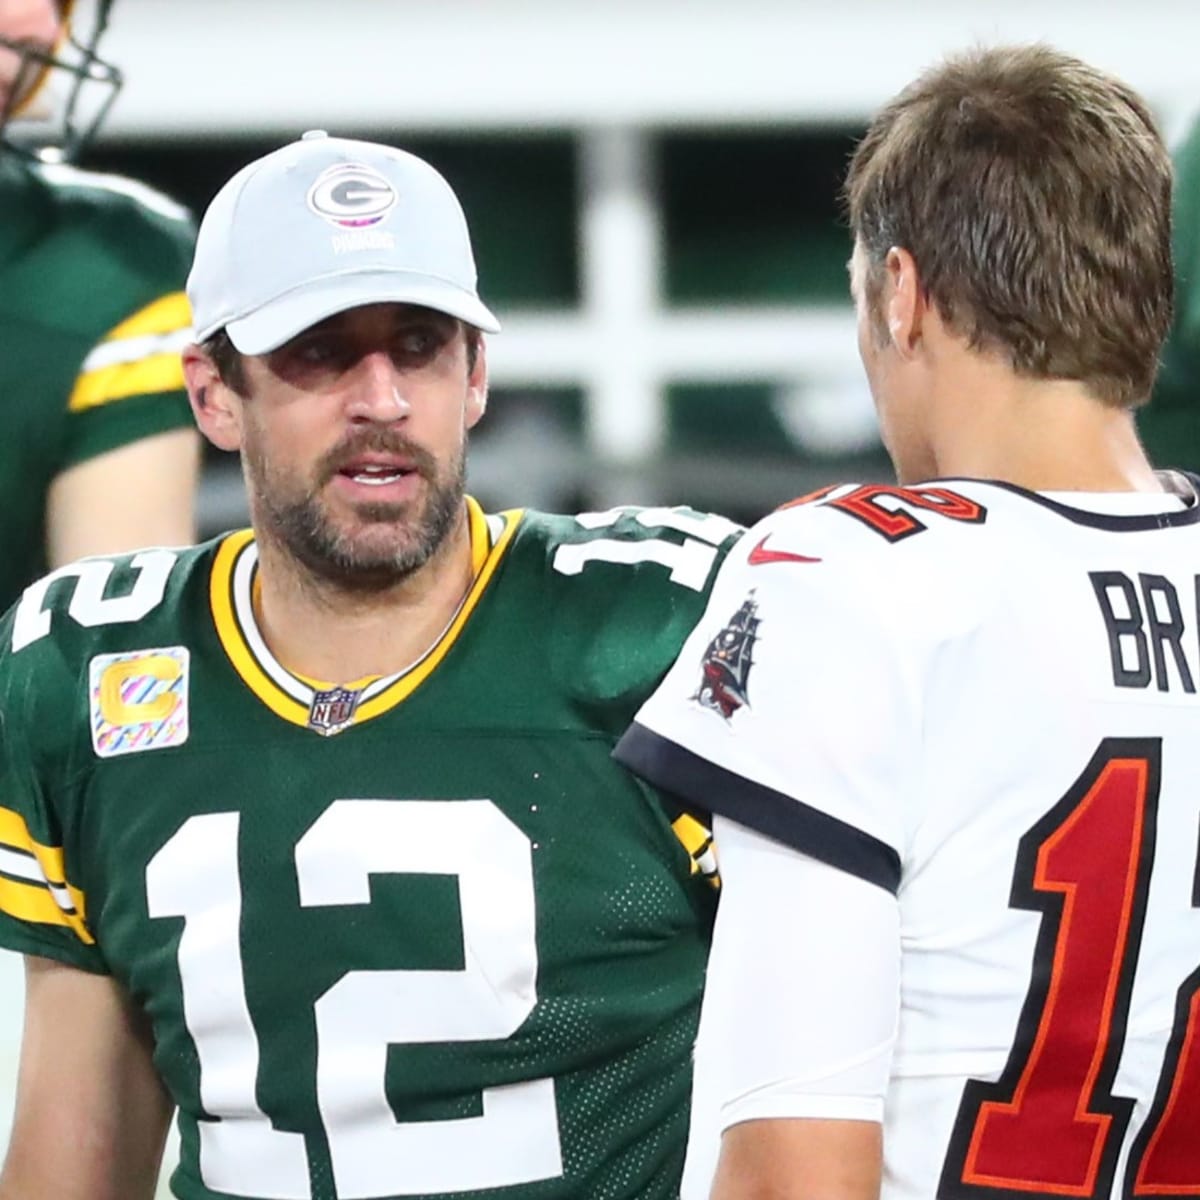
{"type": "Point", "coordinates": [869, 521]}
{"type": "Point", "coordinates": [950, 549]}
{"type": "Point", "coordinates": [616, 592]}
{"type": "Point", "coordinates": [115, 243]}
{"type": "Point", "coordinates": [652, 550]}
{"type": "Point", "coordinates": [871, 552]}
{"type": "Point", "coordinates": [56, 641]}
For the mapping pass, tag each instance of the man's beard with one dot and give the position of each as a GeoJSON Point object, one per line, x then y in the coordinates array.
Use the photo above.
{"type": "Point", "coordinates": [405, 536]}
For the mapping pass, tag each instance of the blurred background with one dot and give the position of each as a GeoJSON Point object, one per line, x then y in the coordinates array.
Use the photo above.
{"type": "Point", "coordinates": [653, 191]}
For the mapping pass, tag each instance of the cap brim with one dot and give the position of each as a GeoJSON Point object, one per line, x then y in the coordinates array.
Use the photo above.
{"type": "Point", "coordinates": [281, 319]}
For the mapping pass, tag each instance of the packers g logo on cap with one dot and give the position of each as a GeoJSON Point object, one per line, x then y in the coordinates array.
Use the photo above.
{"type": "Point", "coordinates": [352, 196]}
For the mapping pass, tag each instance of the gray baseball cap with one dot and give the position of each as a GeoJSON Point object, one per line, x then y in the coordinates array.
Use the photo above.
{"type": "Point", "coordinates": [322, 225]}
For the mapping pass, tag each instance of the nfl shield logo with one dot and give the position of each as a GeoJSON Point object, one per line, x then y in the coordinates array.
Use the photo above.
{"type": "Point", "coordinates": [331, 711]}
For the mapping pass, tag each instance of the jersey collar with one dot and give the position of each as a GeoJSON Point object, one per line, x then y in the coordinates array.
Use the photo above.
{"type": "Point", "coordinates": [1183, 484]}
{"type": "Point", "coordinates": [307, 702]}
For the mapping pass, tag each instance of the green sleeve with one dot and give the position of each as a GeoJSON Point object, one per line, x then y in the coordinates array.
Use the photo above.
{"type": "Point", "coordinates": [43, 907]}
{"type": "Point", "coordinates": [107, 274]}
{"type": "Point", "coordinates": [130, 385]}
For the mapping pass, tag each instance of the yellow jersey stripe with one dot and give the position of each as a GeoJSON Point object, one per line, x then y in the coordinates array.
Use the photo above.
{"type": "Point", "coordinates": [485, 568]}
{"type": "Point", "coordinates": [697, 841]}
{"type": "Point", "coordinates": [162, 372]}
{"type": "Point", "coordinates": [149, 363]}
{"type": "Point", "coordinates": [480, 549]}
{"type": "Point", "coordinates": [29, 902]}
{"type": "Point", "coordinates": [234, 643]}
{"type": "Point", "coordinates": [691, 833]}
{"type": "Point", "coordinates": [485, 558]}
{"type": "Point", "coordinates": [481, 538]}
{"type": "Point", "coordinates": [14, 833]}
{"type": "Point", "coordinates": [32, 900]}
{"type": "Point", "coordinates": [165, 315]}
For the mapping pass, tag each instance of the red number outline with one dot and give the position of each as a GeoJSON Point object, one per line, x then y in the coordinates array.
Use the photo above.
{"type": "Point", "coordinates": [962, 1178]}
{"type": "Point", "coordinates": [895, 524]}
{"type": "Point", "coordinates": [1170, 1133]}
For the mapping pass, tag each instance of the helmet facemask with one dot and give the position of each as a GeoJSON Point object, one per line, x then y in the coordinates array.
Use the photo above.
{"type": "Point", "coordinates": [61, 94]}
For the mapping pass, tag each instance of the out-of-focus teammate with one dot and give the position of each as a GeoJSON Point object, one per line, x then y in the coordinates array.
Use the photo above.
{"type": "Point", "coordinates": [952, 728]}
{"type": "Point", "coordinates": [97, 452]}
{"type": "Point", "coordinates": [97, 449]}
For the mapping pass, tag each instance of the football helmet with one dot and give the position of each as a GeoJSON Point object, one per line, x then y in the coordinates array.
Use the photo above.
{"type": "Point", "coordinates": [60, 95]}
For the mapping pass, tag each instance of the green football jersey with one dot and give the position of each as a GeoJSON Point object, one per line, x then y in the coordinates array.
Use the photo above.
{"type": "Point", "coordinates": [1170, 425]}
{"type": "Point", "coordinates": [92, 319]}
{"type": "Point", "coordinates": [411, 936]}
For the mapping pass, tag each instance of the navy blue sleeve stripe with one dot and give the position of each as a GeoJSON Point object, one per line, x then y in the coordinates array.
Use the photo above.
{"type": "Point", "coordinates": [705, 785]}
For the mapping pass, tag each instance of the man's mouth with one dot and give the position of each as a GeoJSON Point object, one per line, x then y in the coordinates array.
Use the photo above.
{"type": "Point", "coordinates": [378, 468]}
{"type": "Point", "coordinates": [376, 476]}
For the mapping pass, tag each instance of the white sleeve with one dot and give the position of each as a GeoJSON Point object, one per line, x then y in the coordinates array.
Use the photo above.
{"type": "Point", "coordinates": [802, 999]}
{"type": "Point", "coordinates": [794, 706]}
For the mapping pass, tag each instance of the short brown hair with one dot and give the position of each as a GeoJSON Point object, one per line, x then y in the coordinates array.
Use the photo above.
{"type": "Point", "coordinates": [1034, 193]}
{"type": "Point", "coordinates": [227, 359]}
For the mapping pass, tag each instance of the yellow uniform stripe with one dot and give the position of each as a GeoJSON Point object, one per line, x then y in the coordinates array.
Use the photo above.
{"type": "Point", "coordinates": [168, 314]}
{"type": "Point", "coordinates": [480, 549]}
{"type": "Point", "coordinates": [481, 537]}
{"type": "Point", "coordinates": [30, 901]}
{"type": "Point", "coordinates": [161, 372]}
{"type": "Point", "coordinates": [485, 558]}
{"type": "Point", "coordinates": [244, 663]}
{"type": "Point", "coordinates": [158, 373]}
{"type": "Point", "coordinates": [33, 902]}
{"type": "Point", "coordinates": [691, 833]}
{"type": "Point", "coordinates": [485, 568]}
{"type": "Point", "coordinates": [697, 841]}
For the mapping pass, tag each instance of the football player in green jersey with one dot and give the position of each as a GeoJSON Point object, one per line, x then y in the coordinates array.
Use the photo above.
{"type": "Point", "coordinates": [97, 453]}
{"type": "Point", "coordinates": [313, 832]}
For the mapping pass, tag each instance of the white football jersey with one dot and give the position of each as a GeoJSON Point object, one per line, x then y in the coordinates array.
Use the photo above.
{"type": "Point", "coordinates": [986, 702]}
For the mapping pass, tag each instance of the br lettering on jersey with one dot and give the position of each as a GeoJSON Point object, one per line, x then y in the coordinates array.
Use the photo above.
{"type": "Point", "coordinates": [1147, 635]}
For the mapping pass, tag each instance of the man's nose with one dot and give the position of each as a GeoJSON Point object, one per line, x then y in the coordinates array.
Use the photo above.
{"type": "Point", "coordinates": [377, 391]}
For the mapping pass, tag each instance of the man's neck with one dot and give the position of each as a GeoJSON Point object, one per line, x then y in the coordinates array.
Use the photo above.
{"type": "Point", "coordinates": [336, 635]}
{"type": "Point", "coordinates": [1045, 435]}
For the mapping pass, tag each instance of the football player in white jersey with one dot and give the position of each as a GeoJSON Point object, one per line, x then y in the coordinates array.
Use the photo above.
{"type": "Point", "coordinates": [951, 729]}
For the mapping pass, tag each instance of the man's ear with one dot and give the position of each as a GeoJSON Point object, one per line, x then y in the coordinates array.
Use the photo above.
{"type": "Point", "coordinates": [216, 407]}
{"type": "Point", "coordinates": [477, 385]}
{"type": "Point", "coordinates": [905, 304]}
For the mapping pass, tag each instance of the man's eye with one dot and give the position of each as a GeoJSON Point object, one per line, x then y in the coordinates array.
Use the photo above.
{"type": "Point", "coordinates": [420, 342]}
{"type": "Point", "coordinates": [314, 350]}
{"type": "Point", "coordinates": [417, 342]}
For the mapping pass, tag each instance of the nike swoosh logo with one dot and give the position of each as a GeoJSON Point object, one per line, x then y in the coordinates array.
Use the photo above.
{"type": "Point", "coordinates": [760, 555]}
